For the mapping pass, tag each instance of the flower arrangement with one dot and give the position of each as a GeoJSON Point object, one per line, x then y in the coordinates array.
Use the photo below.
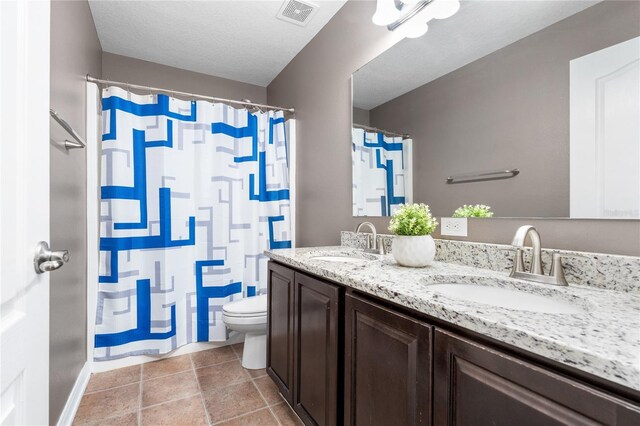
{"type": "Point", "coordinates": [412, 220]}
{"type": "Point", "coordinates": [479, 210]}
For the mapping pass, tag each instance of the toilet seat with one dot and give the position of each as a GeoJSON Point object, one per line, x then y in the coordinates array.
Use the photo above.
{"type": "Point", "coordinates": [250, 307]}
{"type": "Point", "coordinates": [244, 320]}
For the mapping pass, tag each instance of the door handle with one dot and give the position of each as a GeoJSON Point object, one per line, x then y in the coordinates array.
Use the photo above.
{"type": "Point", "coordinates": [46, 260]}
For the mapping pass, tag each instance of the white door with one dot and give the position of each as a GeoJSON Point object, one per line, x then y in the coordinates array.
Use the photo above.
{"type": "Point", "coordinates": [24, 211]}
{"type": "Point", "coordinates": [605, 133]}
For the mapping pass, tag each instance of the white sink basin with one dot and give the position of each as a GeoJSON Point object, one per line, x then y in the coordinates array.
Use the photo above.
{"type": "Point", "coordinates": [506, 298]}
{"type": "Point", "coordinates": [338, 259]}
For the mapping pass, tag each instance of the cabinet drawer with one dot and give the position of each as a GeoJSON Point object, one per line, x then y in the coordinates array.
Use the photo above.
{"type": "Point", "coordinates": [475, 385]}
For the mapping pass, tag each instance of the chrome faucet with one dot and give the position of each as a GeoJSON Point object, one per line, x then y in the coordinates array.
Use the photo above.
{"type": "Point", "coordinates": [373, 244]}
{"type": "Point", "coordinates": [556, 274]}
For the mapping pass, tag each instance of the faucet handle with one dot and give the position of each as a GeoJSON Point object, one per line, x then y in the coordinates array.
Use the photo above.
{"type": "Point", "coordinates": [518, 262]}
{"type": "Point", "coordinates": [557, 271]}
{"type": "Point", "coordinates": [380, 245]}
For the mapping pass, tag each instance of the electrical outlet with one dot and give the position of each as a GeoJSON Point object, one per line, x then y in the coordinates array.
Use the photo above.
{"type": "Point", "coordinates": [453, 226]}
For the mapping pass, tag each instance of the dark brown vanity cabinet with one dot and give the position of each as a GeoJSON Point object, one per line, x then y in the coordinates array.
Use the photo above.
{"type": "Point", "coordinates": [303, 337]}
{"type": "Point", "coordinates": [339, 357]}
{"type": "Point", "coordinates": [477, 385]}
{"type": "Point", "coordinates": [280, 319]}
{"type": "Point", "coordinates": [387, 366]}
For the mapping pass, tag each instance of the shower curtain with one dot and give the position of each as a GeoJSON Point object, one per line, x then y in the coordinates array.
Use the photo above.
{"type": "Point", "coordinates": [192, 193]}
{"type": "Point", "coordinates": [380, 167]}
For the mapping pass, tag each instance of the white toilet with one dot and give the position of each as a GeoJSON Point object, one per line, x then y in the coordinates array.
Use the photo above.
{"type": "Point", "coordinates": [249, 316]}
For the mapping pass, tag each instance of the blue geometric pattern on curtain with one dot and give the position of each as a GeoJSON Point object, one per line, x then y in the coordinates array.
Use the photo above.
{"type": "Point", "coordinates": [192, 193]}
{"type": "Point", "coordinates": [380, 172]}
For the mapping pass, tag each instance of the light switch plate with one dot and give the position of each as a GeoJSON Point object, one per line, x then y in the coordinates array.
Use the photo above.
{"type": "Point", "coordinates": [453, 226]}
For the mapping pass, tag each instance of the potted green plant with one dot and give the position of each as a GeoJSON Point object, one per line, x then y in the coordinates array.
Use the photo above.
{"type": "Point", "coordinates": [413, 245]}
{"type": "Point", "coordinates": [478, 210]}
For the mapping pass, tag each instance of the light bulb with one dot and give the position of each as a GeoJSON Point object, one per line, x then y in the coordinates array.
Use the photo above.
{"type": "Point", "coordinates": [386, 12]}
{"type": "Point", "coordinates": [443, 9]}
{"type": "Point", "coordinates": [417, 26]}
{"type": "Point", "coordinates": [414, 29]}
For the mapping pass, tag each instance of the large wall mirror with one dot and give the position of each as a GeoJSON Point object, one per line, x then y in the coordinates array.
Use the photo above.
{"type": "Point", "coordinates": [529, 107]}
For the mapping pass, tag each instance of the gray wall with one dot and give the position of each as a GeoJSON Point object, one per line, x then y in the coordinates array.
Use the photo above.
{"type": "Point", "coordinates": [317, 83]}
{"type": "Point", "coordinates": [361, 116]}
{"type": "Point", "coordinates": [75, 52]}
{"type": "Point", "coordinates": [136, 71]}
{"type": "Point", "coordinates": [323, 111]}
{"type": "Point", "coordinates": [507, 109]}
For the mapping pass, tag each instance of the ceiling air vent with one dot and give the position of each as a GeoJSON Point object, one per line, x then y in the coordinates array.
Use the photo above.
{"type": "Point", "coordinates": [297, 12]}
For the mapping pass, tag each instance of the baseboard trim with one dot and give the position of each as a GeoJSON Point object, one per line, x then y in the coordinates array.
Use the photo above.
{"type": "Point", "coordinates": [73, 402]}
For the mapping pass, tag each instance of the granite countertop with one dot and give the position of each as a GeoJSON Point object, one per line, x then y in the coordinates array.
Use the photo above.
{"type": "Point", "coordinates": [604, 341]}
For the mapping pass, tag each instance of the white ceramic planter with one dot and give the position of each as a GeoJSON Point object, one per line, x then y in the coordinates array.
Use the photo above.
{"type": "Point", "coordinates": [413, 251]}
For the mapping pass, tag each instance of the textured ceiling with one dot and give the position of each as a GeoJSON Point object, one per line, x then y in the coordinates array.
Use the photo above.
{"type": "Point", "coordinates": [479, 28]}
{"type": "Point", "coordinates": [239, 40]}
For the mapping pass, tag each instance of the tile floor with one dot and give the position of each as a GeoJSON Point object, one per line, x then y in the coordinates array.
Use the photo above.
{"type": "Point", "coordinates": [202, 388]}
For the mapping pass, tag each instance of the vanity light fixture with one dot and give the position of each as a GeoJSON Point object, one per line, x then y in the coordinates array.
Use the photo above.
{"type": "Point", "coordinates": [411, 17]}
{"type": "Point", "coordinates": [386, 12]}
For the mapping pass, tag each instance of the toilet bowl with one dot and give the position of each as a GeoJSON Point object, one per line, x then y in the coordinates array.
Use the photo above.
{"type": "Point", "coordinates": [249, 316]}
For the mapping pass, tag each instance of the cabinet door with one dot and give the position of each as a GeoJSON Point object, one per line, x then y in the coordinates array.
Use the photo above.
{"type": "Point", "coordinates": [476, 385]}
{"type": "Point", "coordinates": [280, 328]}
{"type": "Point", "coordinates": [387, 366]}
{"type": "Point", "coordinates": [316, 350]}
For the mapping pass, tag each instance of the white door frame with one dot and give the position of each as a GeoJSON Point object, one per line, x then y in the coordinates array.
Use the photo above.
{"type": "Point", "coordinates": [24, 210]}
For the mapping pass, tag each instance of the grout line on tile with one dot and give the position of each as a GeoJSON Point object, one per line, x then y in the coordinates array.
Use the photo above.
{"type": "Point", "coordinates": [288, 407]}
{"type": "Point", "coordinates": [238, 355]}
{"type": "Point", "coordinates": [265, 401]}
{"type": "Point", "coordinates": [165, 375]}
{"type": "Point", "coordinates": [113, 387]}
{"type": "Point", "coordinates": [169, 375]}
{"type": "Point", "coordinates": [212, 365]}
{"type": "Point", "coordinates": [204, 406]}
{"type": "Point", "coordinates": [171, 400]}
{"type": "Point", "coordinates": [227, 385]}
{"type": "Point", "coordinates": [241, 415]}
{"type": "Point", "coordinates": [215, 363]}
{"type": "Point", "coordinates": [101, 420]}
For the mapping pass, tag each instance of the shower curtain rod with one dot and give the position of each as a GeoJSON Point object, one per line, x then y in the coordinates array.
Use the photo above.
{"type": "Point", "coordinates": [190, 95]}
{"type": "Point", "coordinates": [386, 132]}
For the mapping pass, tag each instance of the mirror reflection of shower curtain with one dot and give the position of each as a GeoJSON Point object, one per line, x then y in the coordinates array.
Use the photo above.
{"type": "Point", "coordinates": [192, 193]}
{"type": "Point", "coordinates": [381, 168]}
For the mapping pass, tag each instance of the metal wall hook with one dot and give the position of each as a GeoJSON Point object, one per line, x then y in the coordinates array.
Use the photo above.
{"type": "Point", "coordinates": [77, 141]}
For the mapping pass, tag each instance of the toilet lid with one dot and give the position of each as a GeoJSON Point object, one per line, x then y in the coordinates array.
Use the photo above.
{"type": "Point", "coordinates": [248, 306]}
